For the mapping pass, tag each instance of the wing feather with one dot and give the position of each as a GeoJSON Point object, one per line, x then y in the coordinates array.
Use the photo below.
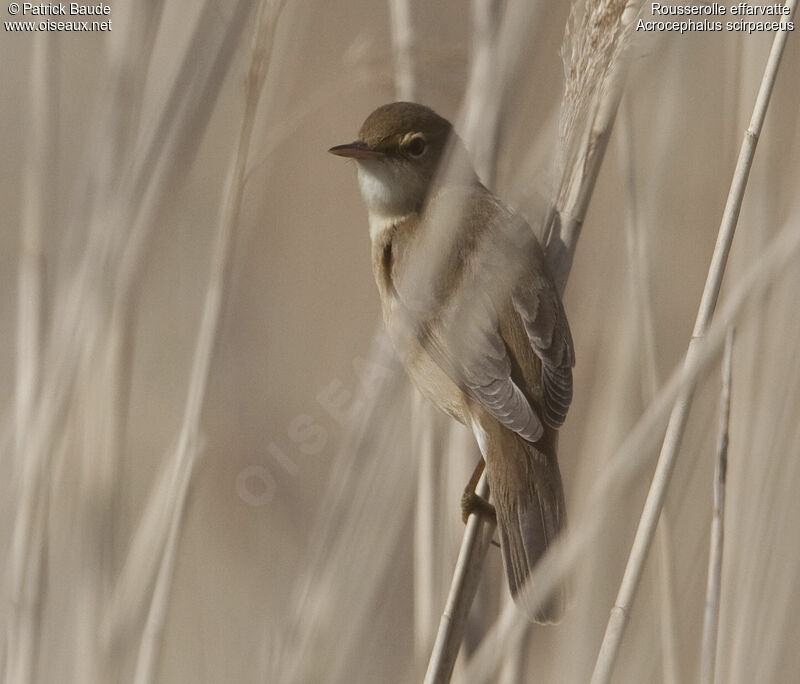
{"type": "Point", "coordinates": [503, 269]}
{"type": "Point", "coordinates": [480, 365]}
{"type": "Point", "coordinates": [546, 326]}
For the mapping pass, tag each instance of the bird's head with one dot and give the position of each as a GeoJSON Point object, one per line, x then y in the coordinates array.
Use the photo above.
{"type": "Point", "coordinates": [398, 151]}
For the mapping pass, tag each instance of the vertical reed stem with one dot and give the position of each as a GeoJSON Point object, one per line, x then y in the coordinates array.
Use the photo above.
{"type": "Point", "coordinates": [711, 614]}
{"type": "Point", "coordinates": [680, 413]}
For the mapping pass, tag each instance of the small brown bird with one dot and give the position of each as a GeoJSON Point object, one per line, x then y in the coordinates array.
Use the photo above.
{"type": "Point", "coordinates": [475, 316]}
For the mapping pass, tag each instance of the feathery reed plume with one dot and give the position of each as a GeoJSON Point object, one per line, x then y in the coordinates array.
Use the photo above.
{"type": "Point", "coordinates": [595, 71]}
{"type": "Point", "coordinates": [594, 39]}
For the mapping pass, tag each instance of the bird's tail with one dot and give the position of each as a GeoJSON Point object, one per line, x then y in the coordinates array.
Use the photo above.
{"type": "Point", "coordinates": [525, 484]}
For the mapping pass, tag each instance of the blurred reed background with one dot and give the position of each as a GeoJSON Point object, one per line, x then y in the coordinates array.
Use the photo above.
{"type": "Point", "coordinates": [215, 472]}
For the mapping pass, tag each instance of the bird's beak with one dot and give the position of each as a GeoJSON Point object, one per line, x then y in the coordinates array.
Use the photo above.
{"type": "Point", "coordinates": [355, 150]}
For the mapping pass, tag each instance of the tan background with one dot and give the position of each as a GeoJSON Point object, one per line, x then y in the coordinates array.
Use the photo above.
{"type": "Point", "coordinates": [301, 307]}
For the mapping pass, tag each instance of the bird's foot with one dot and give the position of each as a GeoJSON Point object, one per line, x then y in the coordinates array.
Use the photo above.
{"type": "Point", "coordinates": [473, 503]}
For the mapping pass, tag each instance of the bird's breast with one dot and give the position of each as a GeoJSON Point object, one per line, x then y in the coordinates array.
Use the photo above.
{"type": "Point", "coordinates": [390, 265]}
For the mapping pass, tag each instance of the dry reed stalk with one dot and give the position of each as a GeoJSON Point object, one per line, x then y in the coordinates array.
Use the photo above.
{"type": "Point", "coordinates": [426, 430]}
{"type": "Point", "coordinates": [188, 450]}
{"type": "Point", "coordinates": [82, 330]}
{"type": "Point", "coordinates": [711, 614]}
{"type": "Point", "coordinates": [499, 29]}
{"type": "Point", "coordinates": [643, 305]}
{"type": "Point", "coordinates": [359, 520]}
{"type": "Point", "coordinates": [169, 150]}
{"type": "Point", "coordinates": [466, 576]}
{"type": "Point", "coordinates": [161, 160]}
{"type": "Point", "coordinates": [761, 555]}
{"type": "Point", "coordinates": [131, 76]}
{"type": "Point", "coordinates": [677, 423]}
{"type": "Point", "coordinates": [481, 130]}
{"type": "Point", "coordinates": [670, 662]}
{"type": "Point", "coordinates": [105, 383]}
{"type": "Point", "coordinates": [632, 455]}
{"type": "Point", "coordinates": [33, 224]}
{"type": "Point", "coordinates": [402, 32]}
{"type": "Point", "coordinates": [23, 628]}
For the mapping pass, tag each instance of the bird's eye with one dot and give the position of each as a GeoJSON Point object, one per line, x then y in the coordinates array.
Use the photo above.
{"type": "Point", "coordinates": [416, 146]}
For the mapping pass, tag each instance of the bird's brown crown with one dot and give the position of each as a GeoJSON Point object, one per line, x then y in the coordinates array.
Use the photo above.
{"type": "Point", "coordinates": [389, 124]}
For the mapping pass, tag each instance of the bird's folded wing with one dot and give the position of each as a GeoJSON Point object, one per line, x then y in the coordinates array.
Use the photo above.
{"type": "Point", "coordinates": [468, 347]}
{"type": "Point", "coordinates": [516, 252]}
{"type": "Point", "coordinates": [542, 314]}
{"type": "Point", "coordinates": [501, 260]}
{"type": "Point", "coordinates": [536, 300]}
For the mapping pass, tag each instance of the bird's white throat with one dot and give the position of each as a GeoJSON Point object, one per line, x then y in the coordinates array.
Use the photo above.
{"type": "Point", "coordinates": [390, 193]}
